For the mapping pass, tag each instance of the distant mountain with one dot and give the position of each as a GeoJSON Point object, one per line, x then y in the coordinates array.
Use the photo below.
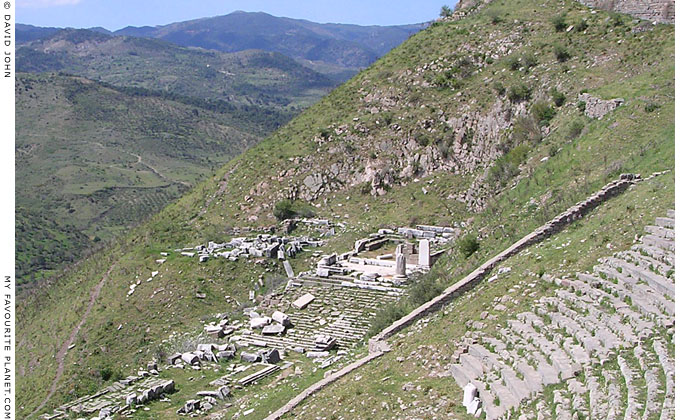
{"type": "Point", "coordinates": [250, 77]}
{"type": "Point", "coordinates": [28, 33]}
{"type": "Point", "coordinates": [346, 47]}
{"type": "Point", "coordinates": [337, 50]}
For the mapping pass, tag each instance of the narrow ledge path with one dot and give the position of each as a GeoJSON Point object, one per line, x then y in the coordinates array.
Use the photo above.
{"type": "Point", "coordinates": [60, 357]}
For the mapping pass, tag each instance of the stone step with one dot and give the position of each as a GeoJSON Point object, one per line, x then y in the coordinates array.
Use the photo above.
{"type": "Point", "coordinates": [606, 325]}
{"type": "Point", "coordinates": [646, 262]}
{"type": "Point", "coordinates": [263, 373]}
{"type": "Point", "coordinates": [576, 391]}
{"type": "Point", "coordinates": [661, 232]}
{"type": "Point", "coordinates": [506, 400]}
{"type": "Point", "coordinates": [613, 396]}
{"type": "Point", "coordinates": [655, 281]}
{"type": "Point", "coordinates": [638, 289]}
{"type": "Point", "coordinates": [548, 372]}
{"type": "Point", "coordinates": [666, 222]}
{"type": "Point", "coordinates": [668, 366]}
{"type": "Point", "coordinates": [671, 214]}
{"type": "Point", "coordinates": [629, 373]}
{"type": "Point", "coordinates": [649, 364]}
{"type": "Point", "coordinates": [656, 253]}
{"type": "Point", "coordinates": [562, 404]}
{"type": "Point", "coordinates": [597, 400]}
{"type": "Point", "coordinates": [648, 300]}
{"type": "Point", "coordinates": [665, 244]}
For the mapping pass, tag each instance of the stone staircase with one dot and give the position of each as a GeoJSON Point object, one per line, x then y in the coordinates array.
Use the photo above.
{"type": "Point", "coordinates": [602, 341]}
{"type": "Point", "coordinates": [342, 312]}
{"type": "Point", "coordinates": [113, 398]}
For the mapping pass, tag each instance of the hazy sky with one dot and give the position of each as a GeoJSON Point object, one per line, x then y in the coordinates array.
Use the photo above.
{"type": "Point", "coordinates": [116, 14]}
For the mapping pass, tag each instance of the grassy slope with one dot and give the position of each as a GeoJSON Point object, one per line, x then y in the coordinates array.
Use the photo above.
{"type": "Point", "coordinates": [641, 141]}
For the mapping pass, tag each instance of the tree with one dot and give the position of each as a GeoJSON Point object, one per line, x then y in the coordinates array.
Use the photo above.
{"type": "Point", "coordinates": [446, 11]}
{"type": "Point", "coordinates": [283, 210]}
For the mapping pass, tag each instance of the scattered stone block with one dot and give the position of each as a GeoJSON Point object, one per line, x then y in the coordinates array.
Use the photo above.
{"type": "Point", "coordinates": [190, 359]}
{"type": "Point", "coordinates": [288, 269]}
{"type": "Point", "coordinates": [271, 356]}
{"type": "Point", "coordinates": [189, 407]}
{"type": "Point", "coordinates": [273, 329]}
{"type": "Point", "coordinates": [303, 301]}
{"type": "Point", "coordinates": [174, 358]}
{"type": "Point", "coordinates": [249, 357]}
{"type": "Point", "coordinates": [281, 318]}
{"type": "Point", "coordinates": [259, 322]}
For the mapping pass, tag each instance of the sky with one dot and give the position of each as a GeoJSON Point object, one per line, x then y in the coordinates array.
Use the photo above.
{"type": "Point", "coordinates": [116, 14]}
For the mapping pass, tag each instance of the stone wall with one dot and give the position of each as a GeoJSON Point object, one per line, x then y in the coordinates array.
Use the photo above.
{"type": "Point", "coordinates": [663, 11]}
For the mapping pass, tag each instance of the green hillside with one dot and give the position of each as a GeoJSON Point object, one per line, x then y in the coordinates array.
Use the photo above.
{"type": "Point", "coordinates": [475, 122]}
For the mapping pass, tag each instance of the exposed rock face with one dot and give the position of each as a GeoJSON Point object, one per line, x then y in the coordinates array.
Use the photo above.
{"type": "Point", "coordinates": [597, 108]}
{"type": "Point", "coordinates": [663, 11]}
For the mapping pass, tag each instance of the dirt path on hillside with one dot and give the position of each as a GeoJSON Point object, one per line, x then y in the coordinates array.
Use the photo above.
{"type": "Point", "coordinates": [65, 346]}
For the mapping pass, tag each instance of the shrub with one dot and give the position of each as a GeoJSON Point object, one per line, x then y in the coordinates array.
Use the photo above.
{"type": "Point", "coordinates": [575, 129]}
{"type": "Point", "coordinates": [513, 63]}
{"type": "Point", "coordinates": [543, 113]}
{"type": "Point", "coordinates": [507, 166]}
{"type": "Point", "coordinates": [469, 244]}
{"type": "Point", "coordinates": [446, 11]}
{"type": "Point", "coordinates": [424, 290]}
{"type": "Point", "coordinates": [106, 373]}
{"type": "Point", "coordinates": [561, 53]}
{"type": "Point", "coordinates": [651, 107]}
{"type": "Point", "coordinates": [499, 88]}
{"type": "Point", "coordinates": [618, 20]}
{"type": "Point", "coordinates": [558, 97]}
{"type": "Point", "coordinates": [581, 26]}
{"type": "Point", "coordinates": [283, 210]}
{"type": "Point", "coordinates": [529, 61]}
{"type": "Point", "coordinates": [288, 209]}
{"type": "Point", "coordinates": [519, 93]}
{"type": "Point", "coordinates": [422, 138]}
{"type": "Point", "coordinates": [447, 80]}
{"type": "Point", "coordinates": [386, 316]}
{"type": "Point", "coordinates": [581, 105]}
{"type": "Point", "coordinates": [526, 130]}
{"type": "Point", "coordinates": [495, 18]}
{"type": "Point", "coordinates": [559, 22]}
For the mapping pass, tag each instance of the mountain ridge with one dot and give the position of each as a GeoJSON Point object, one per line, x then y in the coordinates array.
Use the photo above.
{"type": "Point", "coordinates": [337, 50]}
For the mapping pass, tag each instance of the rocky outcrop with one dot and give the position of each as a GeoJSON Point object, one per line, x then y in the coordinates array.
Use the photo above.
{"type": "Point", "coordinates": [597, 108]}
{"type": "Point", "coordinates": [662, 11]}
